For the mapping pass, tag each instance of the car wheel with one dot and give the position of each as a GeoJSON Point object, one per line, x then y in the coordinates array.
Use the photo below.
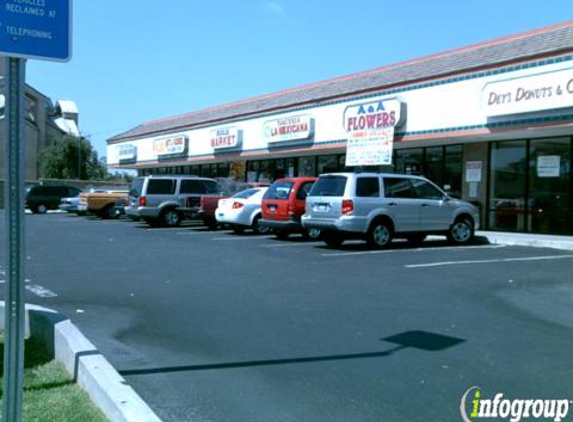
{"type": "Point", "coordinates": [170, 218]}
{"type": "Point", "coordinates": [380, 234]}
{"type": "Point", "coordinates": [108, 212]}
{"type": "Point", "coordinates": [461, 232]}
{"type": "Point", "coordinates": [416, 239]}
{"type": "Point", "coordinates": [332, 239]}
{"type": "Point", "coordinates": [312, 233]}
{"type": "Point", "coordinates": [257, 228]}
{"type": "Point", "coordinates": [42, 209]}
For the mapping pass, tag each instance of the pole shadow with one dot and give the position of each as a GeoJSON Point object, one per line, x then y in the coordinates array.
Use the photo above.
{"type": "Point", "coordinates": [421, 340]}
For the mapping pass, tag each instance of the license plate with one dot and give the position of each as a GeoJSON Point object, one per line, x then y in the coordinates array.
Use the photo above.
{"type": "Point", "coordinates": [321, 208]}
{"type": "Point", "coordinates": [272, 208]}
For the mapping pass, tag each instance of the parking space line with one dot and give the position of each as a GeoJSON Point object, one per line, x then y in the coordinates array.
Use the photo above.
{"type": "Point", "coordinates": [489, 261]}
{"type": "Point", "coordinates": [40, 291]}
{"type": "Point", "coordinates": [440, 248]}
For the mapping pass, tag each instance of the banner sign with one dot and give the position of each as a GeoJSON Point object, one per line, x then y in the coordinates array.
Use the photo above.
{"type": "Point", "coordinates": [370, 127]}
{"type": "Point", "coordinates": [546, 91]}
{"type": "Point", "coordinates": [126, 152]}
{"type": "Point", "coordinates": [370, 147]}
{"type": "Point", "coordinates": [289, 129]}
{"type": "Point", "coordinates": [229, 137]}
{"type": "Point", "coordinates": [170, 146]}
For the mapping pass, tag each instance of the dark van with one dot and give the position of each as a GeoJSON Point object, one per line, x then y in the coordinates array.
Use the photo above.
{"type": "Point", "coordinates": [40, 199]}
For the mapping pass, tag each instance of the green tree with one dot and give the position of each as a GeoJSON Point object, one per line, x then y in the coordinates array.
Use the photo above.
{"type": "Point", "coordinates": [70, 157]}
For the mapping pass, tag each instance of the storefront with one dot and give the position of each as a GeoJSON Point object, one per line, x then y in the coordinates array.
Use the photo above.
{"type": "Point", "coordinates": [492, 124]}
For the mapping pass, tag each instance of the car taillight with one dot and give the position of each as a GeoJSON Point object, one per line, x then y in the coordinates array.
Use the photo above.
{"type": "Point", "coordinates": [290, 210]}
{"type": "Point", "coordinates": [142, 201]}
{"type": "Point", "coordinates": [347, 206]}
{"type": "Point", "coordinates": [237, 205]}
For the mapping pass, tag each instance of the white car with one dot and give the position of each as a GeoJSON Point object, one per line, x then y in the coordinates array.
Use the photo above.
{"type": "Point", "coordinates": [242, 210]}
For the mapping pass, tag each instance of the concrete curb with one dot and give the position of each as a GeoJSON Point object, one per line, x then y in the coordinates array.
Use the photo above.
{"type": "Point", "coordinates": [533, 240]}
{"type": "Point", "coordinates": [90, 369]}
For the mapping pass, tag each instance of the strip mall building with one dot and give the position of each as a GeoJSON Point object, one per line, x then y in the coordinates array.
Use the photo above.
{"type": "Point", "coordinates": [491, 123]}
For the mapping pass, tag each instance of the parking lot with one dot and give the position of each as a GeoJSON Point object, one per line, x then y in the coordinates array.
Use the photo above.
{"type": "Point", "coordinates": [215, 326]}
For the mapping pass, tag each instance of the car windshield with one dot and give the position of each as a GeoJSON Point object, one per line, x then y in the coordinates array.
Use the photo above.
{"type": "Point", "coordinates": [279, 190]}
{"type": "Point", "coordinates": [245, 194]}
{"type": "Point", "coordinates": [329, 186]}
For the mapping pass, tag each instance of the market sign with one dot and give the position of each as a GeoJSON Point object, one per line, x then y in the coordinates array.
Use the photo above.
{"type": "Point", "coordinates": [546, 91]}
{"type": "Point", "coordinates": [229, 137]}
{"type": "Point", "coordinates": [126, 152]}
{"type": "Point", "coordinates": [292, 128]}
{"type": "Point", "coordinates": [36, 29]}
{"type": "Point", "coordinates": [170, 146]}
{"type": "Point", "coordinates": [370, 126]}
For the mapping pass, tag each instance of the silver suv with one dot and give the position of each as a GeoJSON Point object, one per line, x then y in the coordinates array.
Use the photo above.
{"type": "Point", "coordinates": [378, 207]}
{"type": "Point", "coordinates": [167, 200]}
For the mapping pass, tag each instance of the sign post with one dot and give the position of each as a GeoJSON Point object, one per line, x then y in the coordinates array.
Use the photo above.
{"type": "Point", "coordinates": [14, 203]}
{"type": "Point", "coordinates": [41, 30]}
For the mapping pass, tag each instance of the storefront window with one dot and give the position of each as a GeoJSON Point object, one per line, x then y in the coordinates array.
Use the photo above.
{"type": "Point", "coordinates": [409, 161]}
{"type": "Point", "coordinates": [307, 166]}
{"type": "Point", "coordinates": [434, 168]}
{"type": "Point", "coordinates": [253, 171]}
{"type": "Point", "coordinates": [453, 169]}
{"type": "Point", "coordinates": [264, 172]}
{"type": "Point", "coordinates": [290, 167]}
{"type": "Point", "coordinates": [507, 185]}
{"type": "Point", "coordinates": [549, 199]}
{"type": "Point", "coordinates": [327, 164]}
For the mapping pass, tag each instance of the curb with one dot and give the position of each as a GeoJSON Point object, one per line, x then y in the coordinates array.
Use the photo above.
{"type": "Point", "coordinates": [90, 369]}
{"type": "Point", "coordinates": [533, 240]}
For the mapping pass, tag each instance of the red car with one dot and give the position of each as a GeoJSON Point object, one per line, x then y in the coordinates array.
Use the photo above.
{"type": "Point", "coordinates": [284, 204]}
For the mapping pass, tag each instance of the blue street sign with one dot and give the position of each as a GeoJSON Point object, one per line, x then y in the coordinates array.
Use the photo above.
{"type": "Point", "coordinates": [36, 29]}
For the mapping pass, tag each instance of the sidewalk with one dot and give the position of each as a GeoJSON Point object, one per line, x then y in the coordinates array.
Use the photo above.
{"type": "Point", "coordinates": [527, 239]}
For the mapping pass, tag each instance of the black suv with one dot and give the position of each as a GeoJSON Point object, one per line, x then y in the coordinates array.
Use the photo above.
{"type": "Point", "coordinates": [40, 199]}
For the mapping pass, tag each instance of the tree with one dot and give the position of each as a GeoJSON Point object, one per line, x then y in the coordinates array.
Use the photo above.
{"type": "Point", "coordinates": [70, 157]}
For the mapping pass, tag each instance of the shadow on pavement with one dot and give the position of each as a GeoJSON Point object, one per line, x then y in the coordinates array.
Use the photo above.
{"type": "Point", "coordinates": [399, 244]}
{"type": "Point", "coordinates": [421, 340]}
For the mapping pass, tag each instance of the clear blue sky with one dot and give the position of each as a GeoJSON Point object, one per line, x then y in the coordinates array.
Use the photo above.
{"type": "Point", "coordinates": [139, 60]}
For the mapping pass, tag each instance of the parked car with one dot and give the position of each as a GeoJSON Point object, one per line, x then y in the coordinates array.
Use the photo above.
{"type": "Point", "coordinates": [167, 200]}
{"type": "Point", "coordinates": [102, 204]}
{"type": "Point", "coordinates": [72, 204]}
{"type": "Point", "coordinates": [378, 207]}
{"type": "Point", "coordinates": [40, 199]}
{"type": "Point", "coordinates": [242, 210]}
{"type": "Point", "coordinates": [209, 203]}
{"type": "Point", "coordinates": [284, 204]}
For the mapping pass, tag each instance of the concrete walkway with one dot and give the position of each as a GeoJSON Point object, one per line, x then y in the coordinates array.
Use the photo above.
{"type": "Point", "coordinates": [527, 239]}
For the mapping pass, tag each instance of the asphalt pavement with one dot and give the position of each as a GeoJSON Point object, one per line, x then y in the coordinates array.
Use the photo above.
{"type": "Point", "coordinates": [217, 327]}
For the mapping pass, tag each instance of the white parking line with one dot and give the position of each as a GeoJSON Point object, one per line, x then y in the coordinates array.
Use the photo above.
{"type": "Point", "coordinates": [489, 261]}
{"type": "Point", "coordinates": [40, 291]}
{"type": "Point", "coordinates": [440, 248]}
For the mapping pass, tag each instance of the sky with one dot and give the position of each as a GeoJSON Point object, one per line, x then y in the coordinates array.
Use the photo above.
{"type": "Point", "coordinates": [140, 60]}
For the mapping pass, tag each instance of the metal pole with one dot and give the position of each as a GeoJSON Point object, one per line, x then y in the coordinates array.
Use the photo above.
{"type": "Point", "coordinates": [14, 219]}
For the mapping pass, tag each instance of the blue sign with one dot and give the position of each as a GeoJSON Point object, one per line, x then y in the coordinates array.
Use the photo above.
{"type": "Point", "coordinates": [36, 29]}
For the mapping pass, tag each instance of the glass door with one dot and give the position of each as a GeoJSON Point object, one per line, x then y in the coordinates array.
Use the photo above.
{"type": "Point", "coordinates": [550, 186]}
